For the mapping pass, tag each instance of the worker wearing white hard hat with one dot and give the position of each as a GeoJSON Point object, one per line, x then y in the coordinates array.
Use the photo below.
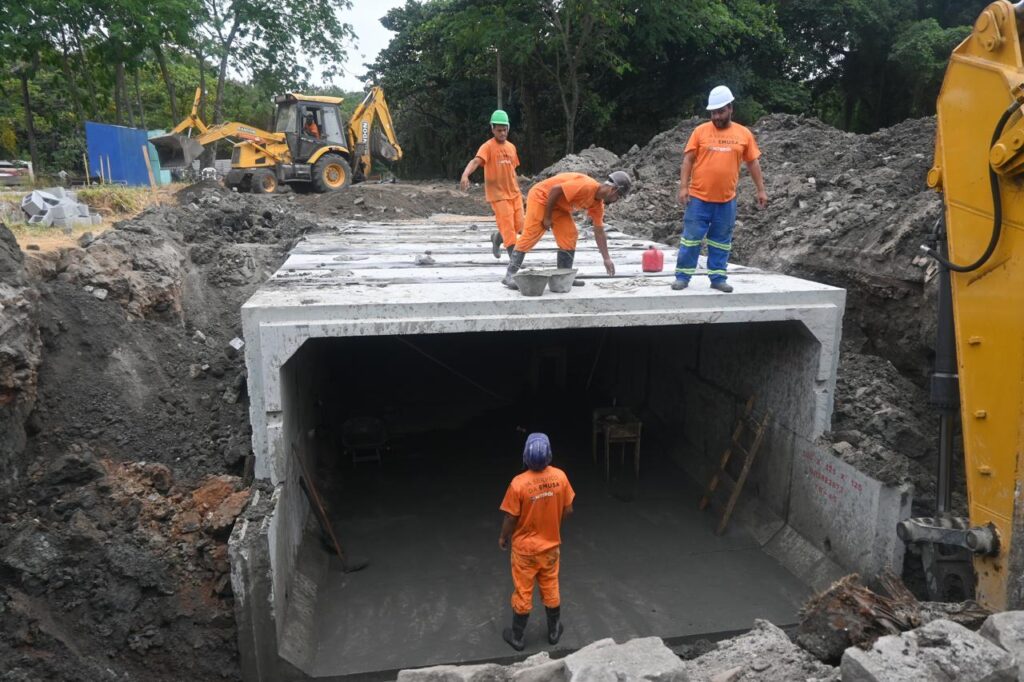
{"type": "Point", "coordinates": [719, 97]}
{"type": "Point", "coordinates": [708, 177]}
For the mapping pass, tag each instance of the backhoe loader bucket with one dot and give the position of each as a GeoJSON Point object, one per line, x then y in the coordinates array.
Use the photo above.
{"type": "Point", "coordinates": [176, 151]}
{"type": "Point", "coordinates": [380, 148]}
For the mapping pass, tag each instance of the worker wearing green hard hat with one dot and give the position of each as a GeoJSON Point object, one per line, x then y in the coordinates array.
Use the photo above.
{"type": "Point", "coordinates": [500, 159]}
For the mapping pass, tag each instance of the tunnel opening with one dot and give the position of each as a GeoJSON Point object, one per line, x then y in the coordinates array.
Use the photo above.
{"type": "Point", "coordinates": [410, 441]}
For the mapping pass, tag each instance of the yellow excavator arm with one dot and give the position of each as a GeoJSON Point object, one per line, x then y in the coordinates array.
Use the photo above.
{"type": "Point", "coordinates": [371, 133]}
{"type": "Point", "coordinates": [178, 149]}
{"type": "Point", "coordinates": [979, 169]}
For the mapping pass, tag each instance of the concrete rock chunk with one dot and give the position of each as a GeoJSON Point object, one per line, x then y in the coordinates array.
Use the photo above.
{"type": "Point", "coordinates": [646, 658]}
{"type": "Point", "coordinates": [1007, 630]}
{"type": "Point", "coordinates": [940, 651]}
{"type": "Point", "coordinates": [766, 654]}
{"type": "Point", "coordinates": [489, 672]}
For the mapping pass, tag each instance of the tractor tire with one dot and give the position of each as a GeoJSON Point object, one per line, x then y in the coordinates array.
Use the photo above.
{"type": "Point", "coordinates": [263, 182]}
{"type": "Point", "coordinates": [331, 173]}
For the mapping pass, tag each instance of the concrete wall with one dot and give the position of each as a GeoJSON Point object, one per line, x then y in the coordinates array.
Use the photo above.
{"type": "Point", "coordinates": [299, 388]}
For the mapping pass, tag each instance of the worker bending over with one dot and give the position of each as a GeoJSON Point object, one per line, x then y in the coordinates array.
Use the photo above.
{"type": "Point", "coordinates": [499, 158]}
{"type": "Point", "coordinates": [536, 502]}
{"type": "Point", "coordinates": [549, 206]}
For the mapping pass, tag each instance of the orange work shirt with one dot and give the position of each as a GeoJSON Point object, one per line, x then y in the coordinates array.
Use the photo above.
{"type": "Point", "coordinates": [538, 498]}
{"type": "Point", "coordinates": [716, 164]}
{"type": "Point", "coordinates": [579, 192]}
{"type": "Point", "coordinates": [313, 129]}
{"type": "Point", "coordinates": [500, 163]}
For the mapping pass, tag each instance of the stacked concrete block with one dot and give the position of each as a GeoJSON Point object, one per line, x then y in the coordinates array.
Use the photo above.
{"type": "Point", "coordinates": [58, 207]}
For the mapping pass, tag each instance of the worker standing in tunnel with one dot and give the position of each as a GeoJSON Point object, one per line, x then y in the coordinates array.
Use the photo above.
{"type": "Point", "coordinates": [535, 504]}
{"type": "Point", "coordinates": [499, 159]}
{"type": "Point", "coordinates": [549, 206]}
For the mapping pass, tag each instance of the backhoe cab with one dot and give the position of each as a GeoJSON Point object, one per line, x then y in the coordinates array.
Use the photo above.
{"type": "Point", "coordinates": [310, 149]}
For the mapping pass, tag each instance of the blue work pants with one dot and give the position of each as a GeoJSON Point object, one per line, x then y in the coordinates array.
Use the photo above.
{"type": "Point", "coordinates": [706, 221]}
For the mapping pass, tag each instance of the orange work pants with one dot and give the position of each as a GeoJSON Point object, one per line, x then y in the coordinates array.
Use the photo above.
{"type": "Point", "coordinates": [562, 226]}
{"type": "Point", "coordinates": [540, 568]}
{"type": "Point", "coordinates": [508, 213]}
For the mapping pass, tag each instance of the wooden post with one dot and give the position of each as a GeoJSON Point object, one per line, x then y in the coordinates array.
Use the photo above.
{"type": "Point", "coordinates": [149, 167]}
{"type": "Point", "coordinates": [85, 162]}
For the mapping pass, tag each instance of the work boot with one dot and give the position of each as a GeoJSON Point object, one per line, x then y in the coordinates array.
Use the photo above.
{"type": "Point", "coordinates": [496, 242]}
{"type": "Point", "coordinates": [555, 628]}
{"type": "Point", "coordinates": [722, 285]}
{"type": "Point", "coordinates": [515, 261]}
{"type": "Point", "coordinates": [509, 250]}
{"type": "Point", "coordinates": [565, 259]}
{"type": "Point", "coordinates": [680, 284]}
{"type": "Point", "coordinates": [515, 634]}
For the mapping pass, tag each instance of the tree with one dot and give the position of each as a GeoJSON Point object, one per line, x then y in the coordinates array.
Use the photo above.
{"type": "Point", "coordinates": [271, 37]}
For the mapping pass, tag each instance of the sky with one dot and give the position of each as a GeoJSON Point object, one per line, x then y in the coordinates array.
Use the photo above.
{"type": "Point", "coordinates": [371, 38]}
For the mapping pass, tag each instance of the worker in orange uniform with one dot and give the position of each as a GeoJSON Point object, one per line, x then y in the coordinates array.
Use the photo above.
{"type": "Point", "coordinates": [549, 206]}
{"type": "Point", "coordinates": [500, 159]}
{"type": "Point", "coordinates": [311, 128]}
{"type": "Point", "coordinates": [535, 503]}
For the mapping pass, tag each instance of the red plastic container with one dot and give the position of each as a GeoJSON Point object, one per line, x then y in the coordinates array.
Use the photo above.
{"type": "Point", "coordinates": [653, 260]}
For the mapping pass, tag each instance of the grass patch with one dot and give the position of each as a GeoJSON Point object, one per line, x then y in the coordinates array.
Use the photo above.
{"type": "Point", "coordinates": [116, 200]}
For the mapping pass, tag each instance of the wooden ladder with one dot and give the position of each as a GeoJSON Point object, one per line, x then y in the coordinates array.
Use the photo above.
{"type": "Point", "coordinates": [745, 424]}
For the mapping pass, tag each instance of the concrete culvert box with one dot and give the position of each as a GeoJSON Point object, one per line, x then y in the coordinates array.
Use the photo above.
{"type": "Point", "coordinates": [407, 391]}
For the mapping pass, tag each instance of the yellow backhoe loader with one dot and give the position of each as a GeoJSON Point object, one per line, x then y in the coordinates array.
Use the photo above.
{"type": "Point", "coordinates": [979, 248]}
{"type": "Point", "coordinates": [311, 148]}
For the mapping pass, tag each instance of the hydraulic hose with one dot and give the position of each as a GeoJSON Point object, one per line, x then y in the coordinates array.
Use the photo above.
{"type": "Point", "coordinates": [997, 206]}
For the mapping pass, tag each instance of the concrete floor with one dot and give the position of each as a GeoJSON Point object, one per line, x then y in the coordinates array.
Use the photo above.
{"type": "Point", "coordinates": [637, 560]}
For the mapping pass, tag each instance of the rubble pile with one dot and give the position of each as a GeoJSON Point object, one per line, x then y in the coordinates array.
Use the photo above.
{"type": "Point", "coordinates": [57, 207]}
{"type": "Point", "coordinates": [594, 161]}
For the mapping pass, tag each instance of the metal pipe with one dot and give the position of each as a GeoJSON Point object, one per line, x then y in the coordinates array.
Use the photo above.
{"type": "Point", "coordinates": [945, 382]}
{"type": "Point", "coordinates": [944, 474]}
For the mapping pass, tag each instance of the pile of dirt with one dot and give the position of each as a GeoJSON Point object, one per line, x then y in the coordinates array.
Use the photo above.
{"type": "Point", "coordinates": [20, 355]}
{"type": "Point", "coordinates": [594, 161]}
{"type": "Point", "coordinates": [124, 430]}
{"type": "Point", "coordinates": [114, 536]}
{"type": "Point", "coordinates": [397, 201]}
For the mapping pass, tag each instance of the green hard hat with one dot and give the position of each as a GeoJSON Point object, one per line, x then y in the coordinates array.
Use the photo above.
{"type": "Point", "coordinates": [499, 117]}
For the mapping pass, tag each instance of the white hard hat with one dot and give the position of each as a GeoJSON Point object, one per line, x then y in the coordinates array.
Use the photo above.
{"type": "Point", "coordinates": [719, 97]}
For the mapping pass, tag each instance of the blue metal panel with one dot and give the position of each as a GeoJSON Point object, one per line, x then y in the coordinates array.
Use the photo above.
{"type": "Point", "coordinates": [120, 149]}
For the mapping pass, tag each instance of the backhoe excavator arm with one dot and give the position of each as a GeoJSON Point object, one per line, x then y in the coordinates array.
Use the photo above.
{"type": "Point", "coordinates": [368, 141]}
{"type": "Point", "coordinates": [178, 149]}
{"type": "Point", "coordinates": [979, 168]}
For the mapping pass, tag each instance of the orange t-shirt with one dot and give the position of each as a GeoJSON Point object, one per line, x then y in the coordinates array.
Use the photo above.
{"type": "Point", "coordinates": [716, 165]}
{"type": "Point", "coordinates": [538, 499]}
{"type": "Point", "coordinates": [578, 193]}
{"type": "Point", "coordinates": [500, 163]}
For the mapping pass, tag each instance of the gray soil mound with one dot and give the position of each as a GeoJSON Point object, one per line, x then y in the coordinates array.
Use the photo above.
{"type": "Point", "coordinates": [369, 201]}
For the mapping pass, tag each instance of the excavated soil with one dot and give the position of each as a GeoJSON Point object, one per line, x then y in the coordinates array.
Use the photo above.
{"type": "Point", "coordinates": [124, 434]}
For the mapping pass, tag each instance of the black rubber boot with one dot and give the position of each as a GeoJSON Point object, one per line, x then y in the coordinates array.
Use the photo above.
{"type": "Point", "coordinates": [515, 635]}
{"type": "Point", "coordinates": [515, 261]}
{"type": "Point", "coordinates": [722, 285]}
{"type": "Point", "coordinates": [565, 259]}
{"type": "Point", "coordinates": [509, 250]}
{"type": "Point", "coordinates": [496, 241]}
{"type": "Point", "coordinates": [555, 628]}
